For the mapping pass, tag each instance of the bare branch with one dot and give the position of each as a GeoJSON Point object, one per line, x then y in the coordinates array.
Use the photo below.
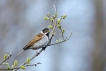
{"type": "Point", "coordinates": [55, 8]}
{"type": "Point", "coordinates": [62, 35]}
{"type": "Point", "coordinates": [33, 64]}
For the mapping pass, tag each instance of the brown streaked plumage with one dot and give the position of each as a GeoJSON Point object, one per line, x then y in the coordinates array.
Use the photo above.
{"type": "Point", "coordinates": [39, 41]}
{"type": "Point", "coordinates": [34, 40]}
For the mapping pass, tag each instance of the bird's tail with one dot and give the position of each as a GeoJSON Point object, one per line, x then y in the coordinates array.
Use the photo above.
{"type": "Point", "coordinates": [20, 53]}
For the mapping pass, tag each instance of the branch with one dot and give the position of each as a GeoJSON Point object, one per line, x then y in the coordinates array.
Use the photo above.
{"type": "Point", "coordinates": [55, 8]}
{"type": "Point", "coordinates": [61, 41]}
{"type": "Point", "coordinates": [24, 66]}
{"type": "Point", "coordinates": [33, 64]}
{"type": "Point", "coordinates": [6, 59]}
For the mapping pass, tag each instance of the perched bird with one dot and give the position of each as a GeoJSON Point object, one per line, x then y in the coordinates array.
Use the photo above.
{"type": "Point", "coordinates": [39, 41]}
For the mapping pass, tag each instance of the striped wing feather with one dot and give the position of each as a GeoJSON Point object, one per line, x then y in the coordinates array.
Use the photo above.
{"type": "Point", "coordinates": [34, 40]}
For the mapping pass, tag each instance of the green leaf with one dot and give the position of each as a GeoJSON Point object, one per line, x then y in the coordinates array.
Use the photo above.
{"type": "Point", "coordinates": [59, 26]}
{"type": "Point", "coordinates": [56, 14]}
{"type": "Point", "coordinates": [48, 14]}
{"type": "Point", "coordinates": [53, 16]}
{"type": "Point", "coordinates": [23, 67]}
{"type": "Point", "coordinates": [57, 41]}
{"type": "Point", "coordinates": [63, 30]}
{"type": "Point", "coordinates": [54, 33]}
{"type": "Point", "coordinates": [50, 26]}
{"type": "Point", "coordinates": [5, 63]}
{"type": "Point", "coordinates": [28, 60]}
{"type": "Point", "coordinates": [64, 16]}
{"type": "Point", "coordinates": [58, 20]}
{"type": "Point", "coordinates": [46, 18]}
{"type": "Point", "coordinates": [8, 67]}
{"type": "Point", "coordinates": [15, 63]}
{"type": "Point", "coordinates": [60, 40]}
{"type": "Point", "coordinates": [52, 19]}
{"type": "Point", "coordinates": [5, 56]}
{"type": "Point", "coordinates": [12, 66]}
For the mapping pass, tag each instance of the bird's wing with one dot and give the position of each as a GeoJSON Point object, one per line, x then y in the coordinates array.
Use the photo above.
{"type": "Point", "coordinates": [34, 40]}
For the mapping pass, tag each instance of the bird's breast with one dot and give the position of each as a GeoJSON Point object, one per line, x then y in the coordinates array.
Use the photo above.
{"type": "Point", "coordinates": [41, 43]}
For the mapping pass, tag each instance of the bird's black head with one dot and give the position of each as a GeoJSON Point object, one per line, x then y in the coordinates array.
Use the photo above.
{"type": "Point", "coordinates": [46, 31]}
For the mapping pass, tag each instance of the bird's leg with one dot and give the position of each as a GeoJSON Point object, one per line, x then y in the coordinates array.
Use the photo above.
{"type": "Point", "coordinates": [44, 48]}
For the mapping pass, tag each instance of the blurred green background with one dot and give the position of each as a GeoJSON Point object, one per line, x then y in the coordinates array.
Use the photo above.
{"type": "Point", "coordinates": [21, 20]}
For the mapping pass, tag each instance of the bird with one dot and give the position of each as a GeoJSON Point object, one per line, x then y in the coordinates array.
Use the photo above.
{"type": "Point", "coordinates": [39, 41]}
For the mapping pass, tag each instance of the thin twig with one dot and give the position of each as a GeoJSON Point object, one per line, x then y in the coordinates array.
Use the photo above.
{"type": "Point", "coordinates": [25, 66]}
{"type": "Point", "coordinates": [6, 59]}
{"type": "Point", "coordinates": [55, 8]}
{"type": "Point", "coordinates": [33, 64]}
{"type": "Point", "coordinates": [61, 41]}
{"type": "Point", "coordinates": [62, 34]}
